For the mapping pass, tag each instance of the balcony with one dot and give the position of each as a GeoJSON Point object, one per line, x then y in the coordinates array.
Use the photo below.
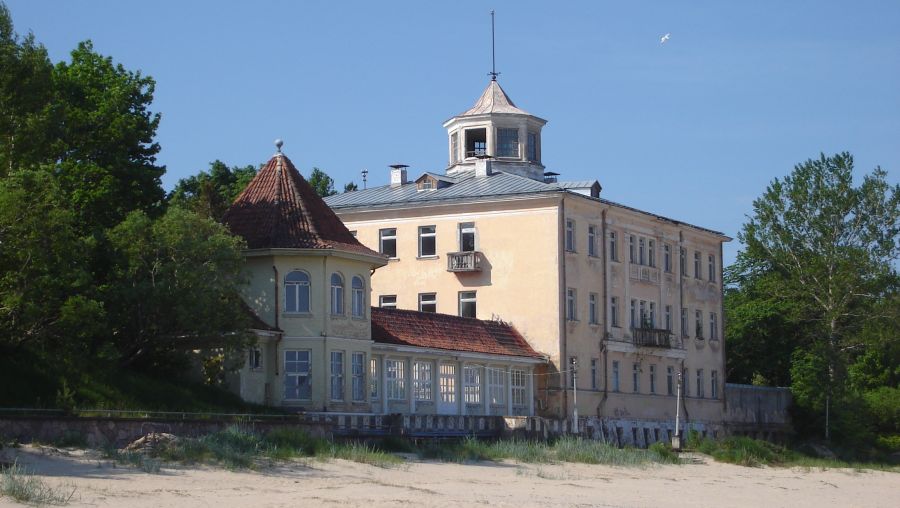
{"type": "Point", "coordinates": [644, 273]}
{"type": "Point", "coordinates": [652, 337]}
{"type": "Point", "coordinates": [464, 261]}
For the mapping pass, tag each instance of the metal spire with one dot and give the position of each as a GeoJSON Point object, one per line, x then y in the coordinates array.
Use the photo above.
{"type": "Point", "coordinates": [493, 74]}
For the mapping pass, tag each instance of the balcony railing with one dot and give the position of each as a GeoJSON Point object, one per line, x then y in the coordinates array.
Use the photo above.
{"type": "Point", "coordinates": [464, 261]}
{"type": "Point", "coordinates": [644, 273]}
{"type": "Point", "coordinates": [652, 337]}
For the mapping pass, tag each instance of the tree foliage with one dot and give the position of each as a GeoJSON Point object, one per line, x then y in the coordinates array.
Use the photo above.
{"type": "Point", "coordinates": [211, 193]}
{"type": "Point", "coordinates": [322, 183]}
{"type": "Point", "coordinates": [813, 297]}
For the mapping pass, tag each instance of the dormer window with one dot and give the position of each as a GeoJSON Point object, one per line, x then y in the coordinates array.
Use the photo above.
{"type": "Point", "coordinates": [508, 142]}
{"type": "Point", "coordinates": [476, 142]}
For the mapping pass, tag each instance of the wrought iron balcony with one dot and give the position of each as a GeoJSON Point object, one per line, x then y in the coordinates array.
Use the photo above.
{"type": "Point", "coordinates": [464, 261]}
{"type": "Point", "coordinates": [652, 337]}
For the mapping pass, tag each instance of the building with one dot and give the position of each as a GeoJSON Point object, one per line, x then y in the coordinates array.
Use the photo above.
{"type": "Point", "coordinates": [321, 347]}
{"type": "Point", "coordinates": [623, 302]}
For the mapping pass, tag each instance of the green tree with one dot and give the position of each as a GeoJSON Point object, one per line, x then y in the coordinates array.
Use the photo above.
{"type": "Point", "coordinates": [211, 193]}
{"type": "Point", "coordinates": [321, 183]}
{"type": "Point", "coordinates": [26, 95]}
{"type": "Point", "coordinates": [175, 286]}
{"type": "Point", "coordinates": [106, 144]}
{"type": "Point", "coordinates": [350, 187]}
{"type": "Point", "coordinates": [826, 250]}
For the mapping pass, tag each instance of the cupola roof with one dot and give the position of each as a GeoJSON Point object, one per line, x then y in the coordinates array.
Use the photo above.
{"type": "Point", "coordinates": [494, 100]}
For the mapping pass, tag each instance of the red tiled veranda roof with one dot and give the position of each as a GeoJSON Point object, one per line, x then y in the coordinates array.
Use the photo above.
{"type": "Point", "coordinates": [280, 210]}
{"type": "Point", "coordinates": [452, 333]}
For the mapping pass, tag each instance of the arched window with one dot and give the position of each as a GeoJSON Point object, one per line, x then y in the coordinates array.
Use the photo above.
{"type": "Point", "coordinates": [337, 294]}
{"type": "Point", "coordinates": [296, 292]}
{"type": "Point", "coordinates": [358, 307]}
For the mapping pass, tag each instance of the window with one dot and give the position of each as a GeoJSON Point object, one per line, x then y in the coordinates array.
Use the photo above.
{"type": "Point", "coordinates": [615, 375]}
{"type": "Point", "coordinates": [614, 311]}
{"type": "Point", "coordinates": [684, 322]}
{"type": "Point", "coordinates": [592, 241]}
{"type": "Point", "coordinates": [507, 142]}
{"type": "Point", "coordinates": [641, 254]}
{"type": "Point", "coordinates": [495, 385]}
{"type": "Point", "coordinates": [613, 246]}
{"type": "Point", "coordinates": [592, 308]}
{"type": "Point", "coordinates": [358, 384]}
{"type": "Point", "coordinates": [713, 326]}
{"type": "Point", "coordinates": [593, 373]}
{"type": "Point", "coordinates": [476, 142]}
{"type": "Point", "coordinates": [669, 318]}
{"type": "Point", "coordinates": [643, 315]}
{"type": "Point", "coordinates": [570, 235]}
{"type": "Point", "coordinates": [337, 375]}
{"type": "Point", "coordinates": [634, 313]}
{"type": "Point", "coordinates": [396, 379]}
{"type": "Point", "coordinates": [472, 385]}
{"type": "Point", "coordinates": [714, 384]}
{"type": "Point", "coordinates": [337, 294]}
{"type": "Point", "coordinates": [427, 241]}
{"type": "Point", "coordinates": [700, 387]}
{"type": "Point", "coordinates": [518, 387]}
{"type": "Point", "coordinates": [636, 377]}
{"type": "Point", "coordinates": [570, 305]}
{"type": "Point", "coordinates": [254, 358]}
{"type": "Point", "coordinates": [296, 375]}
{"type": "Point", "coordinates": [467, 304]}
{"type": "Point", "coordinates": [532, 146]}
{"type": "Point", "coordinates": [653, 379]}
{"type": "Point", "coordinates": [373, 379]}
{"type": "Point", "coordinates": [670, 380]}
{"type": "Point", "coordinates": [651, 252]}
{"type": "Point", "coordinates": [667, 258]}
{"type": "Point", "coordinates": [387, 301]}
{"type": "Point", "coordinates": [296, 292]}
{"type": "Point", "coordinates": [631, 254]}
{"type": "Point", "coordinates": [422, 381]}
{"type": "Point", "coordinates": [454, 147]}
{"type": "Point", "coordinates": [357, 297]}
{"type": "Point", "coordinates": [698, 323]}
{"type": "Point", "coordinates": [697, 265]}
{"type": "Point", "coordinates": [467, 237]}
{"type": "Point", "coordinates": [652, 315]}
{"type": "Point", "coordinates": [427, 302]}
{"type": "Point", "coordinates": [682, 261]}
{"type": "Point", "coordinates": [712, 268]}
{"type": "Point", "coordinates": [387, 242]}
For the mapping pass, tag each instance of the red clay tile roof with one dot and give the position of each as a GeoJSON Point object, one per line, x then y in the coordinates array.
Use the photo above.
{"type": "Point", "coordinates": [453, 333]}
{"type": "Point", "coordinates": [279, 209]}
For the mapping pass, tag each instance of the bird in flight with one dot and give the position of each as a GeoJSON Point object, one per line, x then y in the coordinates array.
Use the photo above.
{"type": "Point", "coordinates": [665, 38]}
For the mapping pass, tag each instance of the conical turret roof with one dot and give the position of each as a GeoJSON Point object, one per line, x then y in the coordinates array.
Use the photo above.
{"type": "Point", "coordinates": [493, 100]}
{"type": "Point", "coordinates": [280, 210]}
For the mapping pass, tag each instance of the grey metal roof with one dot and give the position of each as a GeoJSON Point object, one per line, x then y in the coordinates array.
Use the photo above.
{"type": "Point", "coordinates": [582, 184]}
{"type": "Point", "coordinates": [493, 100]}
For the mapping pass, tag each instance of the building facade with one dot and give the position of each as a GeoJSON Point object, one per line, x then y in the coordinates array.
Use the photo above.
{"type": "Point", "coordinates": [322, 347]}
{"type": "Point", "coordinates": [625, 304]}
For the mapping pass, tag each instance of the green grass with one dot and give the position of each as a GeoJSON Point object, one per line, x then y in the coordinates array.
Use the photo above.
{"type": "Point", "coordinates": [22, 486]}
{"type": "Point", "coordinates": [745, 451]}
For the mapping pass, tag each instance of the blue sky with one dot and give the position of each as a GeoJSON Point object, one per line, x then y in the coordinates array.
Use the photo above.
{"type": "Point", "coordinates": [694, 129]}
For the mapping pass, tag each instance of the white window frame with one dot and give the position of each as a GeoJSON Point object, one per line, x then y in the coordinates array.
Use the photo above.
{"type": "Point", "coordinates": [384, 301]}
{"type": "Point", "coordinates": [653, 379]}
{"type": "Point", "coordinates": [615, 376]}
{"type": "Point", "coordinates": [592, 241]}
{"type": "Point", "coordinates": [336, 390]}
{"type": "Point", "coordinates": [636, 377]}
{"type": "Point", "coordinates": [613, 246]}
{"type": "Point", "coordinates": [358, 297]}
{"type": "Point", "coordinates": [508, 148]}
{"type": "Point", "coordinates": [700, 382]}
{"type": "Point", "coordinates": [423, 380]}
{"type": "Point", "coordinates": [295, 283]}
{"type": "Point", "coordinates": [374, 392]}
{"type": "Point", "coordinates": [670, 380]}
{"type": "Point", "coordinates": [423, 234]}
{"type": "Point", "coordinates": [518, 387]}
{"type": "Point", "coordinates": [471, 384]}
{"type": "Point", "coordinates": [633, 316]}
{"type": "Point", "coordinates": [293, 369]}
{"type": "Point", "coordinates": [632, 254]}
{"type": "Point", "coordinates": [468, 299]}
{"type": "Point", "coordinates": [712, 268]}
{"type": "Point", "coordinates": [714, 384]}
{"type": "Point", "coordinates": [427, 299]}
{"type": "Point", "coordinates": [593, 373]}
{"type": "Point", "coordinates": [358, 371]}
{"type": "Point", "coordinates": [254, 358]}
{"type": "Point", "coordinates": [669, 318]}
{"type": "Point", "coordinates": [713, 326]}
{"type": "Point", "coordinates": [387, 234]}
{"type": "Point", "coordinates": [614, 311]}
{"type": "Point", "coordinates": [571, 304]}
{"type": "Point", "coordinates": [698, 323]}
{"type": "Point", "coordinates": [496, 385]}
{"type": "Point", "coordinates": [337, 295]}
{"type": "Point", "coordinates": [651, 252]}
{"type": "Point", "coordinates": [667, 258]}
{"type": "Point", "coordinates": [570, 235]}
{"type": "Point", "coordinates": [593, 316]}
{"type": "Point", "coordinates": [395, 377]}
{"type": "Point", "coordinates": [466, 228]}
{"type": "Point", "coordinates": [698, 273]}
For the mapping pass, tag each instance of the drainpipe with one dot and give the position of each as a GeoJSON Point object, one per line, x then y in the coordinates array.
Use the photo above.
{"type": "Point", "coordinates": [563, 335]}
{"type": "Point", "coordinates": [606, 316]}
{"type": "Point", "coordinates": [279, 334]}
{"type": "Point", "coordinates": [326, 321]}
{"type": "Point", "coordinates": [722, 313]}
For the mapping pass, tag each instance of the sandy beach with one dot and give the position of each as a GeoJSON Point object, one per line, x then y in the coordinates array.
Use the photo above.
{"type": "Point", "coordinates": [99, 482]}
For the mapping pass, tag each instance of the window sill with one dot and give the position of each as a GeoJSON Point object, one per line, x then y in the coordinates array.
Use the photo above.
{"type": "Point", "coordinates": [292, 315]}
{"type": "Point", "coordinates": [359, 318]}
{"type": "Point", "coordinates": [392, 260]}
{"type": "Point", "coordinates": [568, 251]}
{"type": "Point", "coordinates": [435, 256]}
{"type": "Point", "coordinates": [339, 317]}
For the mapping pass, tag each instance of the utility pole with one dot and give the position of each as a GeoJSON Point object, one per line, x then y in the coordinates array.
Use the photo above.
{"type": "Point", "coordinates": [574, 362]}
{"type": "Point", "coordinates": [676, 439]}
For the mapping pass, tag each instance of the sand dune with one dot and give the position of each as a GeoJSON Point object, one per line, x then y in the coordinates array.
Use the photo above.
{"type": "Point", "coordinates": [424, 483]}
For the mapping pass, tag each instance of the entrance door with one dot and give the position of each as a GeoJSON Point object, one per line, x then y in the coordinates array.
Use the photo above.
{"type": "Point", "coordinates": [447, 404]}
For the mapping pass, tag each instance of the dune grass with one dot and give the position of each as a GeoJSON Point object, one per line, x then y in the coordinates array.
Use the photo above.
{"type": "Point", "coordinates": [23, 487]}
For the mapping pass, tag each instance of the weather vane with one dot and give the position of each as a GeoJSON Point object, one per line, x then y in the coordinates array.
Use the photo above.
{"type": "Point", "coordinates": [365, 173]}
{"type": "Point", "coordinates": [493, 74]}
